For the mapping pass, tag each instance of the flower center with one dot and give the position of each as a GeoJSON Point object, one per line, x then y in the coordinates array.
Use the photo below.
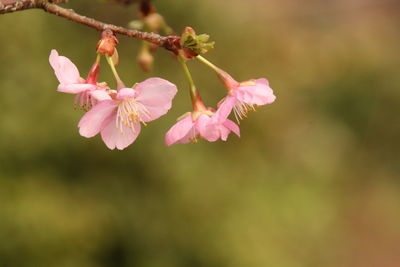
{"type": "Point", "coordinates": [130, 112]}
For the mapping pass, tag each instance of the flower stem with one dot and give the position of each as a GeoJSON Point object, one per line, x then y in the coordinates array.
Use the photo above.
{"type": "Point", "coordinates": [225, 78]}
{"type": "Point", "coordinates": [193, 90]}
{"type": "Point", "coordinates": [110, 62]}
{"type": "Point", "coordinates": [145, 46]}
{"type": "Point", "coordinates": [98, 58]}
{"type": "Point", "coordinates": [209, 64]}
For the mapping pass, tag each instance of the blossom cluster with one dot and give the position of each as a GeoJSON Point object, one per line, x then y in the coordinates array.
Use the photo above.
{"type": "Point", "coordinates": [117, 114]}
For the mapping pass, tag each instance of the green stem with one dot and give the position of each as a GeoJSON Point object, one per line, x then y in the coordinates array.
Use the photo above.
{"type": "Point", "coordinates": [98, 58]}
{"type": "Point", "coordinates": [145, 46]}
{"type": "Point", "coordinates": [110, 62]}
{"type": "Point", "coordinates": [209, 64]}
{"type": "Point", "coordinates": [225, 78]}
{"type": "Point", "coordinates": [193, 90]}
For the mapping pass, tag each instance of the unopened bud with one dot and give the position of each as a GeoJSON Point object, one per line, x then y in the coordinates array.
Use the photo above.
{"type": "Point", "coordinates": [145, 60]}
{"type": "Point", "coordinates": [154, 22]}
{"type": "Point", "coordinates": [107, 43]}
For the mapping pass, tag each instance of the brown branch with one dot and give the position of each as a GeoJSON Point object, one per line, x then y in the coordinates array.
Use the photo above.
{"type": "Point", "coordinates": [171, 43]}
{"type": "Point", "coordinates": [8, 6]}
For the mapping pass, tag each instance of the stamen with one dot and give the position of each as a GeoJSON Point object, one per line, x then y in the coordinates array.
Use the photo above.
{"type": "Point", "coordinates": [193, 139]}
{"type": "Point", "coordinates": [84, 100]}
{"type": "Point", "coordinates": [130, 112]}
{"type": "Point", "coordinates": [240, 109]}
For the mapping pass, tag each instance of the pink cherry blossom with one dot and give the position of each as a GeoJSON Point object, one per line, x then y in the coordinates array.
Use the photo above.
{"type": "Point", "coordinates": [205, 124]}
{"type": "Point", "coordinates": [244, 96]}
{"type": "Point", "coordinates": [118, 117]}
{"type": "Point", "coordinates": [72, 83]}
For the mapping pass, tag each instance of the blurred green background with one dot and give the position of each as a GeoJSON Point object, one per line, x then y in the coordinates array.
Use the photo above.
{"type": "Point", "coordinates": [313, 181]}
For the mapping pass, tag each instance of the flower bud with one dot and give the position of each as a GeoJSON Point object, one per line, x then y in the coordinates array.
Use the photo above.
{"type": "Point", "coordinates": [107, 43]}
{"type": "Point", "coordinates": [154, 22]}
{"type": "Point", "coordinates": [145, 60]}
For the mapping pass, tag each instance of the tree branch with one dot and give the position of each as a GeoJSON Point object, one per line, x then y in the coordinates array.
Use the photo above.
{"type": "Point", "coordinates": [171, 43]}
{"type": "Point", "coordinates": [8, 6]}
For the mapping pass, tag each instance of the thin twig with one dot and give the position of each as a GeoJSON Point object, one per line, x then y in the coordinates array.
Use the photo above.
{"type": "Point", "coordinates": [171, 43]}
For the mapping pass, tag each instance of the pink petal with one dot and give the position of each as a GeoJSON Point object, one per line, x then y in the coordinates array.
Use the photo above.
{"type": "Point", "coordinates": [91, 122]}
{"type": "Point", "coordinates": [75, 88]}
{"type": "Point", "coordinates": [189, 137]}
{"type": "Point", "coordinates": [262, 81]}
{"type": "Point", "coordinates": [66, 71]}
{"type": "Point", "coordinates": [126, 93]}
{"type": "Point", "coordinates": [181, 132]}
{"type": "Point", "coordinates": [258, 94]}
{"type": "Point", "coordinates": [118, 138]}
{"type": "Point", "coordinates": [156, 95]}
{"type": "Point", "coordinates": [225, 108]}
{"type": "Point", "coordinates": [207, 128]}
{"type": "Point", "coordinates": [232, 127]}
{"type": "Point", "coordinates": [100, 95]}
{"type": "Point", "coordinates": [224, 132]}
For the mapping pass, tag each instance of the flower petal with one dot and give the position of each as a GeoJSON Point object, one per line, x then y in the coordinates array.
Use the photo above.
{"type": "Point", "coordinates": [91, 122]}
{"type": "Point", "coordinates": [232, 127]}
{"type": "Point", "coordinates": [258, 94]}
{"type": "Point", "coordinates": [224, 109]}
{"type": "Point", "coordinates": [156, 95]}
{"type": "Point", "coordinates": [262, 81]}
{"type": "Point", "coordinates": [100, 95]}
{"type": "Point", "coordinates": [224, 132]}
{"type": "Point", "coordinates": [181, 132]}
{"type": "Point", "coordinates": [118, 138]}
{"type": "Point", "coordinates": [66, 71]}
{"type": "Point", "coordinates": [126, 93]}
{"type": "Point", "coordinates": [75, 88]}
{"type": "Point", "coordinates": [207, 128]}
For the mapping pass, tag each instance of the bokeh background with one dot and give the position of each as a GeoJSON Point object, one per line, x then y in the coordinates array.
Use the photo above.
{"type": "Point", "coordinates": [313, 181]}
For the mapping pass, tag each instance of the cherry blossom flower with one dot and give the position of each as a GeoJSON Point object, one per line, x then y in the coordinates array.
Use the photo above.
{"type": "Point", "coordinates": [72, 83]}
{"type": "Point", "coordinates": [244, 96]}
{"type": "Point", "coordinates": [118, 116]}
{"type": "Point", "coordinates": [202, 122]}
